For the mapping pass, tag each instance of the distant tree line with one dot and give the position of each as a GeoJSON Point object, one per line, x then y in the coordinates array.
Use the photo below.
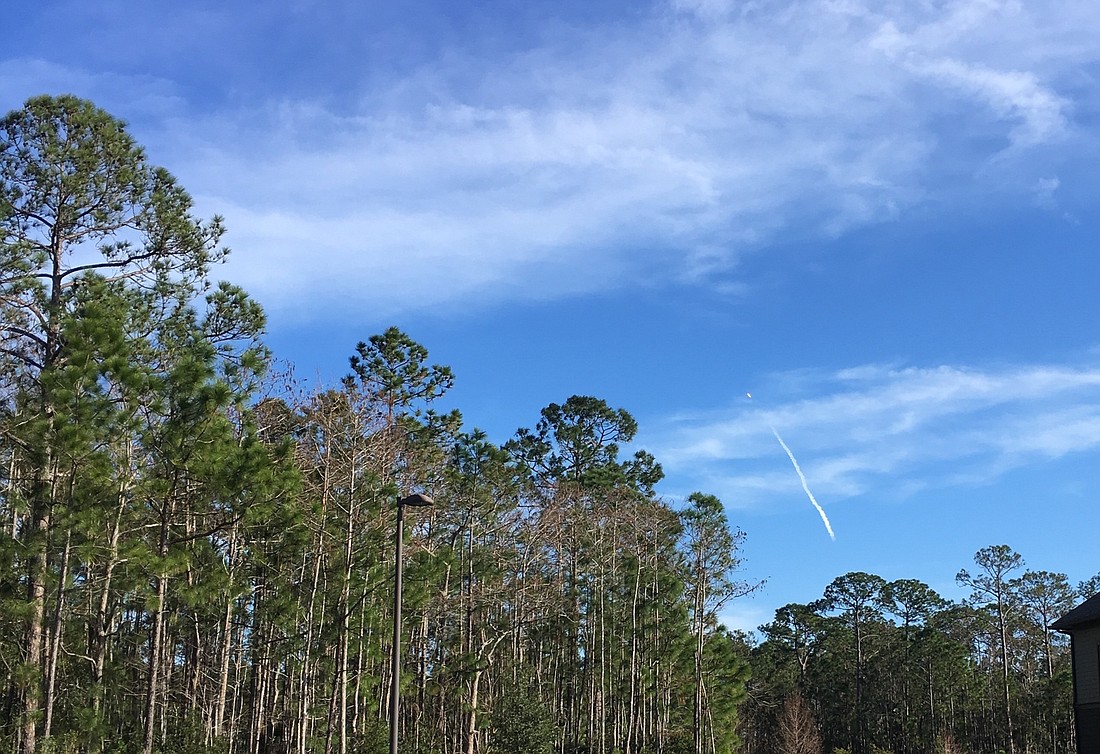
{"type": "Point", "coordinates": [198, 553]}
{"type": "Point", "coordinates": [890, 666]}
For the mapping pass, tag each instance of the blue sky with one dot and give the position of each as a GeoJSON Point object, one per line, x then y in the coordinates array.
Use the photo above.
{"type": "Point", "coordinates": [879, 218]}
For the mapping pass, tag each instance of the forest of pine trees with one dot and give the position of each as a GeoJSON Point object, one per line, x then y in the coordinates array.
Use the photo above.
{"type": "Point", "coordinates": [876, 666]}
{"type": "Point", "coordinates": [198, 552]}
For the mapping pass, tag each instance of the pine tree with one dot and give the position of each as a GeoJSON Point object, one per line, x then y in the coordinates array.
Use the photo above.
{"type": "Point", "coordinates": [120, 388]}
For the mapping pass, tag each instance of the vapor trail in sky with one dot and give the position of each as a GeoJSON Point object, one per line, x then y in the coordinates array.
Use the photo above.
{"type": "Point", "coordinates": [802, 478]}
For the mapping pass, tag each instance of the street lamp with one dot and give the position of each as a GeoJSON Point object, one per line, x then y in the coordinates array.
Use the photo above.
{"type": "Point", "coordinates": [416, 501]}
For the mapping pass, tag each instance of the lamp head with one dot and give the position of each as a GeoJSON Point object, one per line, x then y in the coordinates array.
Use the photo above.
{"type": "Point", "coordinates": [416, 501]}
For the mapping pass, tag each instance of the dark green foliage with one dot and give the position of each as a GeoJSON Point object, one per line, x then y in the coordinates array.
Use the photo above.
{"type": "Point", "coordinates": [1089, 587]}
{"type": "Point", "coordinates": [188, 736]}
{"type": "Point", "coordinates": [125, 428]}
{"type": "Point", "coordinates": [521, 724]}
{"type": "Point", "coordinates": [390, 370]}
{"type": "Point", "coordinates": [578, 442]}
{"type": "Point", "coordinates": [892, 666]}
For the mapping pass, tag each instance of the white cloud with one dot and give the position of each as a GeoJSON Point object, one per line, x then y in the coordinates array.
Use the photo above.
{"type": "Point", "coordinates": [1038, 112]}
{"type": "Point", "coordinates": [1043, 192]}
{"type": "Point", "coordinates": [129, 97]}
{"type": "Point", "coordinates": [743, 615]}
{"type": "Point", "coordinates": [667, 148]}
{"type": "Point", "coordinates": [888, 429]}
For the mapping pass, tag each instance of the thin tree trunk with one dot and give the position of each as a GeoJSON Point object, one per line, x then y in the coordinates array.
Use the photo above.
{"type": "Point", "coordinates": [102, 620]}
{"type": "Point", "coordinates": [55, 639]}
{"type": "Point", "coordinates": [308, 664]}
{"type": "Point", "coordinates": [697, 715]}
{"type": "Point", "coordinates": [226, 648]}
{"type": "Point", "coordinates": [152, 691]}
{"type": "Point", "coordinates": [471, 725]}
{"type": "Point", "coordinates": [42, 497]}
{"type": "Point", "coordinates": [1004, 662]}
{"type": "Point", "coordinates": [31, 688]}
{"type": "Point", "coordinates": [628, 744]}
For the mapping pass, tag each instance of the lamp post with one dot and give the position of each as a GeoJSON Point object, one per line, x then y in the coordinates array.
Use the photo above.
{"type": "Point", "coordinates": [416, 501]}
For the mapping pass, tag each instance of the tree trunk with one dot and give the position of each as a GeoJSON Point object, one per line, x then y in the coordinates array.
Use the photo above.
{"type": "Point", "coordinates": [31, 688]}
{"type": "Point", "coordinates": [1002, 621]}
{"type": "Point", "coordinates": [156, 641]}
{"type": "Point", "coordinates": [57, 635]}
{"type": "Point", "coordinates": [471, 724]}
{"type": "Point", "coordinates": [156, 644]}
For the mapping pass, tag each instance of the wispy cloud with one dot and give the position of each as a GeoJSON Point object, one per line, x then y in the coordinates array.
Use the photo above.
{"type": "Point", "coordinates": [745, 616]}
{"type": "Point", "coordinates": [891, 430]}
{"type": "Point", "coordinates": [666, 148]}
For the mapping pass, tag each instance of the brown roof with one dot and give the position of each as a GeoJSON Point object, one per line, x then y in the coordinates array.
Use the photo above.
{"type": "Point", "coordinates": [1085, 613]}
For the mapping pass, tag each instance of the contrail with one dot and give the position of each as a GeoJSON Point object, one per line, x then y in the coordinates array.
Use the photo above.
{"type": "Point", "coordinates": [802, 478]}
